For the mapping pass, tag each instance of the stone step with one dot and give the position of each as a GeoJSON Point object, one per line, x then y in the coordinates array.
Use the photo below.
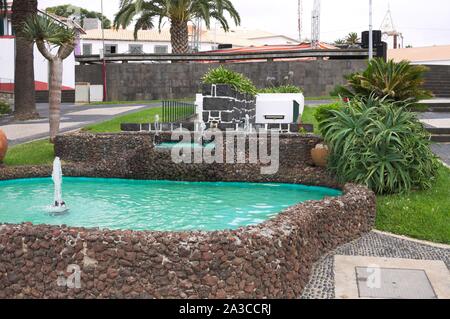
{"type": "Point", "coordinates": [435, 104]}
{"type": "Point", "coordinates": [441, 138]}
{"type": "Point", "coordinates": [438, 130]}
{"type": "Point", "coordinates": [439, 109]}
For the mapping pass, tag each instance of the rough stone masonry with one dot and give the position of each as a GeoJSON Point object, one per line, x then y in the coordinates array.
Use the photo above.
{"type": "Point", "coordinates": [270, 260]}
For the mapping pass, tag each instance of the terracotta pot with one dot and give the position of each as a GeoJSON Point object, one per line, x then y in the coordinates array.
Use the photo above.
{"type": "Point", "coordinates": [3, 145]}
{"type": "Point", "coordinates": [319, 155]}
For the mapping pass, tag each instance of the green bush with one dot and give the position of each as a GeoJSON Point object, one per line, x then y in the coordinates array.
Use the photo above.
{"type": "Point", "coordinates": [4, 107]}
{"type": "Point", "coordinates": [323, 112]}
{"type": "Point", "coordinates": [397, 81]}
{"type": "Point", "coordinates": [379, 144]}
{"type": "Point", "coordinates": [282, 89]}
{"type": "Point", "coordinates": [238, 81]}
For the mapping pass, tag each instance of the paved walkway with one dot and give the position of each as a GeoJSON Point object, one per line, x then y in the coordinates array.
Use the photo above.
{"type": "Point", "coordinates": [394, 251]}
{"type": "Point", "coordinates": [72, 117]}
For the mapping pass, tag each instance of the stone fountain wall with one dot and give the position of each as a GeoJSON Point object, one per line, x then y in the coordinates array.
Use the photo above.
{"type": "Point", "coordinates": [133, 155]}
{"type": "Point", "coordinates": [271, 260]}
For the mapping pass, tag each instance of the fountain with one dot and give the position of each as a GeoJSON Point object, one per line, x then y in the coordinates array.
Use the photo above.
{"type": "Point", "coordinates": [202, 129]}
{"type": "Point", "coordinates": [157, 129]}
{"type": "Point", "coordinates": [59, 206]}
{"type": "Point", "coordinates": [247, 125]}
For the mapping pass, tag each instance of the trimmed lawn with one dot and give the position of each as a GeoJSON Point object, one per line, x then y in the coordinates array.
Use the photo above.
{"type": "Point", "coordinates": [422, 214]}
{"type": "Point", "coordinates": [113, 125]}
{"type": "Point", "coordinates": [308, 118]}
{"type": "Point", "coordinates": [33, 153]}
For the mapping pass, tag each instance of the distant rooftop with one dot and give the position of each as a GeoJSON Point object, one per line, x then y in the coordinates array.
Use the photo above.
{"type": "Point", "coordinates": [239, 38]}
{"type": "Point", "coordinates": [422, 54]}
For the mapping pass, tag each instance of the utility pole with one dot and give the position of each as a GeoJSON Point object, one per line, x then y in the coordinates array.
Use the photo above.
{"type": "Point", "coordinates": [105, 91]}
{"type": "Point", "coordinates": [370, 31]}
{"type": "Point", "coordinates": [300, 20]}
{"type": "Point", "coordinates": [315, 25]}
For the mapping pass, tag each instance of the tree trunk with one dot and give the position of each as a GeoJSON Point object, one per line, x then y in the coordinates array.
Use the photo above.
{"type": "Point", "coordinates": [24, 90]}
{"type": "Point", "coordinates": [55, 96]}
{"type": "Point", "coordinates": [179, 37]}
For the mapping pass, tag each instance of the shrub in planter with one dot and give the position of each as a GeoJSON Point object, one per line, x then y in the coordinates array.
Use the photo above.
{"type": "Point", "coordinates": [379, 144]}
{"type": "Point", "coordinates": [324, 111]}
{"type": "Point", "coordinates": [237, 80]}
{"type": "Point", "coordinates": [4, 108]}
{"type": "Point", "coordinates": [282, 89]}
{"type": "Point", "coordinates": [400, 81]}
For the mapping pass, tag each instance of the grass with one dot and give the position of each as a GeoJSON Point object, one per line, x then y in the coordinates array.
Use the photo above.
{"type": "Point", "coordinates": [308, 118]}
{"type": "Point", "coordinates": [113, 125]}
{"type": "Point", "coordinates": [418, 214]}
{"type": "Point", "coordinates": [34, 153]}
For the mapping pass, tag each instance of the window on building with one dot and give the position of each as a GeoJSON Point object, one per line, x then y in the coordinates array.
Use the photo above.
{"type": "Point", "coordinates": [161, 49]}
{"type": "Point", "coordinates": [111, 48]}
{"type": "Point", "coordinates": [135, 49]}
{"type": "Point", "coordinates": [87, 48]}
{"type": "Point", "coordinates": [2, 26]}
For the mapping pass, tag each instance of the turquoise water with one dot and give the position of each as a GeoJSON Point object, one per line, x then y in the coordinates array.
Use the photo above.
{"type": "Point", "coordinates": [151, 205]}
{"type": "Point", "coordinates": [170, 145]}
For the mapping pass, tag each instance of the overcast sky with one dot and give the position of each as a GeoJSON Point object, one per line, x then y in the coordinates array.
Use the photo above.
{"type": "Point", "coordinates": [423, 23]}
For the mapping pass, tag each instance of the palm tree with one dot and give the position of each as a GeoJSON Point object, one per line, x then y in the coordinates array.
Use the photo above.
{"type": "Point", "coordinates": [352, 38]}
{"type": "Point", "coordinates": [55, 42]}
{"type": "Point", "coordinates": [24, 90]}
{"type": "Point", "coordinates": [178, 12]}
{"type": "Point", "coordinates": [340, 42]}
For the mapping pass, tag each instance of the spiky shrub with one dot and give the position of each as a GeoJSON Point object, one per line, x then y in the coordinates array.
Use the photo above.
{"type": "Point", "coordinates": [282, 89]}
{"type": "Point", "coordinates": [400, 81]}
{"type": "Point", "coordinates": [323, 112]}
{"type": "Point", "coordinates": [379, 144]}
{"type": "Point", "coordinates": [4, 108]}
{"type": "Point", "coordinates": [237, 80]}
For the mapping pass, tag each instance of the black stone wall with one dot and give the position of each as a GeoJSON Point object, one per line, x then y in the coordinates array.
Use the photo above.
{"type": "Point", "coordinates": [136, 81]}
{"type": "Point", "coordinates": [222, 104]}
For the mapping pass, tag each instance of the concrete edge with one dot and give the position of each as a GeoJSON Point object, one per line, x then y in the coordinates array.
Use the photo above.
{"type": "Point", "coordinates": [423, 242]}
{"type": "Point", "coordinates": [346, 286]}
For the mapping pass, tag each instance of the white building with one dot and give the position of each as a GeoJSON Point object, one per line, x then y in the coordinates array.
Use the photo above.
{"type": "Point", "coordinates": [152, 41]}
{"type": "Point", "coordinates": [41, 66]}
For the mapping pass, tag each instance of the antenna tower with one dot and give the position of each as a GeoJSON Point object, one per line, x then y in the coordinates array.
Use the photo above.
{"type": "Point", "coordinates": [389, 30]}
{"type": "Point", "coordinates": [315, 28]}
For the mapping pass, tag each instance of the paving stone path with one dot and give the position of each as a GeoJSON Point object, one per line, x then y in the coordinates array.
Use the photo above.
{"type": "Point", "coordinates": [72, 117]}
{"type": "Point", "coordinates": [321, 284]}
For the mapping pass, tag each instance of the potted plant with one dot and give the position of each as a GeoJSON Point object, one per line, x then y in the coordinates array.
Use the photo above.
{"type": "Point", "coordinates": [3, 145]}
{"type": "Point", "coordinates": [319, 155]}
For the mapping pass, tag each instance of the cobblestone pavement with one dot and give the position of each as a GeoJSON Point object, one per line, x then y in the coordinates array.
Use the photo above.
{"type": "Point", "coordinates": [321, 284]}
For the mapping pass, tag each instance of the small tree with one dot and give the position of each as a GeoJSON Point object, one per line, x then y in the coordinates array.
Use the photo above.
{"type": "Point", "coordinates": [352, 38]}
{"type": "Point", "coordinates": [55, 42]}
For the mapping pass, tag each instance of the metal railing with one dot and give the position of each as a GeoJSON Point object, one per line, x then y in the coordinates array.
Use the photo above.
{"type": "Point", "coordinates": [175, 111]}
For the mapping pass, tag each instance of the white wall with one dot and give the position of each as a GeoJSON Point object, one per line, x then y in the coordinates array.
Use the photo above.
{"type": "Point", "coordinates": [123, 46]}
{"type": "Point", "coordinates": [40, 64]}
{"type": "Point", "coordinates": [6, 59]}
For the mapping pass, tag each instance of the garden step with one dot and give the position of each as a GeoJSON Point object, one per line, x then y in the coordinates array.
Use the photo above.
{"type": "Point", "coordinates": [435, 104]}
{"type": "Point", "coordinates": [442, 138]}
{"type": "Point", "coordinates": [439, 109]}
{"type": "Point", "coordinates": [438, 130]}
